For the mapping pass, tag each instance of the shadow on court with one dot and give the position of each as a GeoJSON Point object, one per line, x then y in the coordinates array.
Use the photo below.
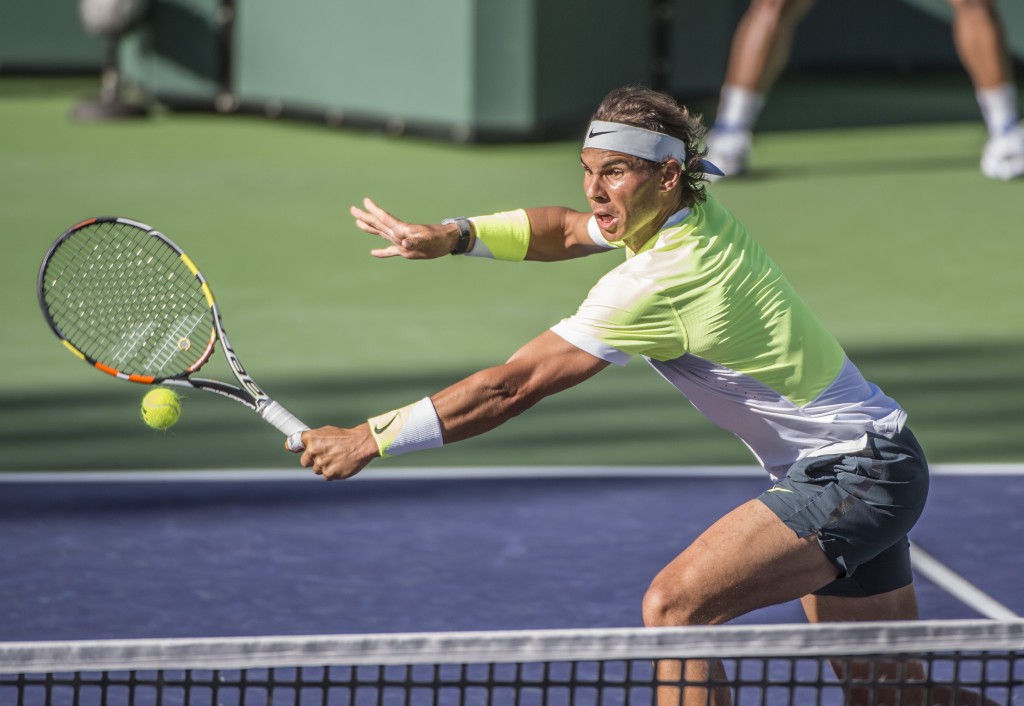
{"type": "Point", "coordinates": [964, 405]}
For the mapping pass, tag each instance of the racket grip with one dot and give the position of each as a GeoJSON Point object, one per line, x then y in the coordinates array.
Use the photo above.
{"type": "Point", "coordinates": [286, 423]}
{"type": "Point", "coordinates": [294, 442]}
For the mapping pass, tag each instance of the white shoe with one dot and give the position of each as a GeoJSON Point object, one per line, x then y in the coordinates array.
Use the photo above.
{"type": "Point", "coordinates": [1003, 157]}
{"type": "Point", "coordinates": [729, 150]}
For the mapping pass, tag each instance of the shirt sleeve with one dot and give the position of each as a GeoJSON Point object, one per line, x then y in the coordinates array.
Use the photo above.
{"type": "Point", "coordinates": [625, 315]}
{"type": "Point", "coordinates": [578, 336]}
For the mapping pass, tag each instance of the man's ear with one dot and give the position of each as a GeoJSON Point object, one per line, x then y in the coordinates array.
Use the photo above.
{"type": "Point", "coordinates": [671, 175]}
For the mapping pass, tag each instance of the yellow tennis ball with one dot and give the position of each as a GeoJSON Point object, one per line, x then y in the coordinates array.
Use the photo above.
{"type": "Point", "coordinates": [161, 408]}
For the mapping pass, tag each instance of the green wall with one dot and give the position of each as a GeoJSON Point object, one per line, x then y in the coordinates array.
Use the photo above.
{"type": "Point", "coordinates": [176, 53]}
{"type": "Point", "coordinates": [46, 35]}
{"type": "Point", "coordinates": [461, 69]}
{"type": "Point", "coordinates": [355, 57]}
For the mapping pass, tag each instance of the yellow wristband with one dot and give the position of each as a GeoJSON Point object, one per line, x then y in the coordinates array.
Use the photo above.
{"type": "Point", "coordinates": [505, 236]}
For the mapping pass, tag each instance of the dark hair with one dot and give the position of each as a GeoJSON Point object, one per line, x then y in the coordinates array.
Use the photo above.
{"type": "Point", "coordinates": [643, 107]}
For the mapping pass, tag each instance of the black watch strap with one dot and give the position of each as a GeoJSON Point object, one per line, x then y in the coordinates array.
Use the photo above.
{"type": "Point", "coordinates": [465, 234]}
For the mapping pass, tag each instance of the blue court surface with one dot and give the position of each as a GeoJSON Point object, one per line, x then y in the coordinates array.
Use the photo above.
{"type": "Point", "coordinates": [284, 553]}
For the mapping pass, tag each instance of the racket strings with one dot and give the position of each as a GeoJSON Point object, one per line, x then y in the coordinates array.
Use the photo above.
{"type": "Point", "coordinates": [125, 298]}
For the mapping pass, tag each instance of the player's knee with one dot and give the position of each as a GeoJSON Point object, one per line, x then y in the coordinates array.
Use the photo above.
{"type": "Point", "coordinates": [666, 605]}
{"type": "Point", "coordinates": [655, 608]}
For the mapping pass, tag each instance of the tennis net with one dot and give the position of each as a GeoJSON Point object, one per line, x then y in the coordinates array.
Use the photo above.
{"type": "Point", "coordinates": [926, 662]}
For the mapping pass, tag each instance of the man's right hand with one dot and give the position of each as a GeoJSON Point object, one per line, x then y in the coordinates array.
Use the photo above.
{"type": "Point", "coordinates": [336, 453]}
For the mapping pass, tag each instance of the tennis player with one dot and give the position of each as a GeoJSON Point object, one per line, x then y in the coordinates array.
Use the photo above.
{"type": "Point", "coordinates": [700, 300]}
{"type": "Point", "coordinates": [760, 51]}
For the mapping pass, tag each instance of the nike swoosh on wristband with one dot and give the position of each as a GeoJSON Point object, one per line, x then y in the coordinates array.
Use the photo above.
{"type": "Point", "coordinates": [382, 429]}
{"type": "Point", "coordinates": [603, 132]}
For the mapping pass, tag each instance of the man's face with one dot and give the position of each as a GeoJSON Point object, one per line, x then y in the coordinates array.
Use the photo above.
{"type": "Point", "coordinates": [624, 193]}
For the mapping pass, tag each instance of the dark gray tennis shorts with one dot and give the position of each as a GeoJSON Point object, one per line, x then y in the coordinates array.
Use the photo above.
{"type": "Point", "coordinates": [861, 507]}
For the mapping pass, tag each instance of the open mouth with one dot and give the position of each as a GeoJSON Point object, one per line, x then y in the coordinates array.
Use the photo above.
{"type": "Point", "coordinates": [605, 221]}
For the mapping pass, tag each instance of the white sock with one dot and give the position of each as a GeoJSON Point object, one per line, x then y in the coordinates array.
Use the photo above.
{"type": "Point", "coordinates": [738, 108]}
{"type": "Point", "coordinates": [998, 108]}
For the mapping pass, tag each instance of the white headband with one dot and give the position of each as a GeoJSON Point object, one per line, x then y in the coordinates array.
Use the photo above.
{"type": "Point", "coordinates": [639, 142]}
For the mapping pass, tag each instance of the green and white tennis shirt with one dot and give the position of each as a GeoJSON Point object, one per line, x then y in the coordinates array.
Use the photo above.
{"type": "Point", "coordinates": [707, 308]}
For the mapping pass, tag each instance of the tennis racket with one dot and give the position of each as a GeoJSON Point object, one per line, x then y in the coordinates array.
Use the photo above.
{"type": "Point", "coordinates": [129, 302]}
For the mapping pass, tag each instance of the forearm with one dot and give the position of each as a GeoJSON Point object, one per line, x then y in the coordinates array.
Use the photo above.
{"type": "Point", "coordinates": [468, 408]}
{"type": "Point", "coordinates": [486, 399]}
{"type": "Point", "coordinates": [472, 406]}
{"type": "Point", "coordinates": [482, 402]}
{"type": "Point", "coordinates": [558, 233]}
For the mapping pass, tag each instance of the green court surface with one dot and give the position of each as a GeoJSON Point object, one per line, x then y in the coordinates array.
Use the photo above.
{"type": "Point", "coordinates": [906, 252]}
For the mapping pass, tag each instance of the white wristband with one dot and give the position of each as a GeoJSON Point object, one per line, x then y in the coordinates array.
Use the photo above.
{"type": "Point", "coordinates": [411, 428]}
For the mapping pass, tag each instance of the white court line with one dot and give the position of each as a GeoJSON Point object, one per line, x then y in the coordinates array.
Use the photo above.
{"type": "Point", "coordinates": [457, 473]}
{"type": "Point", "coordinates": [957, 586]}
{"type": "Point", "coordinates": [977, 469]}
{"type": "Point", "coordinates": [389, 474]}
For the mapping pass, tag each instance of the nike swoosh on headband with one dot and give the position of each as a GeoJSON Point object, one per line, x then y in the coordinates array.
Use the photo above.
{"type": "Point", "coordinates": [639, 142]}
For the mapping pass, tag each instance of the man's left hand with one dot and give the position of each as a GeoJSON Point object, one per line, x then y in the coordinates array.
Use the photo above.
{"type": "Point", "coordinates": [413, 241]}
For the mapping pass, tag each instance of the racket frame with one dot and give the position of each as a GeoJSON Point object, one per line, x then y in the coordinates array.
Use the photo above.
{"type": "Point", "coordinates": [249, 393]}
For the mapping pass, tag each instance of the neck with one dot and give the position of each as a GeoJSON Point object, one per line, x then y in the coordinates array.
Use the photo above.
{"type": "Point", "coordinates": [637, 240]}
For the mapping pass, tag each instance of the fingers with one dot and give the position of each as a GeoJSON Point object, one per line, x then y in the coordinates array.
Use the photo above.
{"type": "Point", "coordinates": [328, 453]}
{"type": "Point", "coordinates": [407, 240]}
{"type": "Point", "coordinates": [312, 447]}
{"type": "Point", "coordinates": [393, 251]}
{"type": "Point", "coordinates": [375, 219]}
{"type": "Point", "coordinates": [378, 212]}
{"type": "Point", "coordinates": [363, 224]}
{"type": "Point", "coordinates": [367, 223]}
{"type": "Point", "coordinates": [310, 460]}
{"type": "Point", "coordinates": [401, 251]}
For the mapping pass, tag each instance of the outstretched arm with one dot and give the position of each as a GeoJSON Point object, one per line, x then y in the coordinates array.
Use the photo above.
{"type": "Point", "coordinates": [473, 406]}
{"type": "Point", "coordinates": [556, 233]}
